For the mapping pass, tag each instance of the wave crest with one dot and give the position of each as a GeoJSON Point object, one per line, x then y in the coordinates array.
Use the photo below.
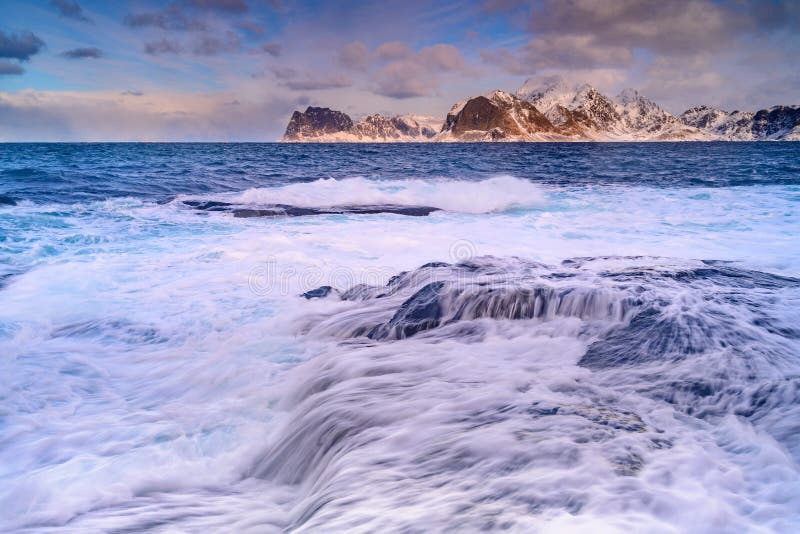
{"type": "Point", "coordinates": [498, 194]}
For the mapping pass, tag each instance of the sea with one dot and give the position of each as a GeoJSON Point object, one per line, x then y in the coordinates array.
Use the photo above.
{"type": "Point", "coordinates": [400, 337]}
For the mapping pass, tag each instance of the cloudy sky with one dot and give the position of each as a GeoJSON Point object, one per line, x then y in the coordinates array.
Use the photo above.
{"type": "Point", "coordinates": [235, 69]}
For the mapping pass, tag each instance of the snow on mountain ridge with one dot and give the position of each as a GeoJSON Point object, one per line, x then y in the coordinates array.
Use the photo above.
{"type": "Point", "coordinates": [552, 111]}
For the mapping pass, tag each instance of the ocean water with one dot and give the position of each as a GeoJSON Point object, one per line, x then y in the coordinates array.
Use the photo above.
{"type": "Point", "coordinates": [582, 337]}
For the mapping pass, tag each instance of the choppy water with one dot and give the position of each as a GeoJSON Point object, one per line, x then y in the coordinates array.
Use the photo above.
{"type": "Point", "coordinates": [586, 337]}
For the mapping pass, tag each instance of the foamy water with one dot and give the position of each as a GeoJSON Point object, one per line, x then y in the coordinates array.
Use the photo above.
{"type": "Point", "coordinates": [163, 373]}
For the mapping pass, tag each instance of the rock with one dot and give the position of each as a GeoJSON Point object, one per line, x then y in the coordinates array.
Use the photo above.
{"type": "Point", "coordinates": [778, 123]}
{"type": "Point", "coordinates": [496, 116]}
{"type": "Point", "coordinates": [318, 293]}
{"type": "Point", "coordinates": [326, 125]}
{"type": "Point", "coordinates": [315, 122]}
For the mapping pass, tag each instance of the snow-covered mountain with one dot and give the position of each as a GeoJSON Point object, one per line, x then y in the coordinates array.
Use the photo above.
{"type": "Point", "coordinates": [628, 117]}
{"type": "Point", "coordinates": [562, 103]}
{"type": "Point", "coordinates": [327, 125]}
{"type": "Point", "coordinates": [553, 111]}
{"type": "Point", "coordinates": [776, 123]}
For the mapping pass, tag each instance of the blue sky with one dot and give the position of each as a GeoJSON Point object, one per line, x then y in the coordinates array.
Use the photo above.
{"type": "Point", "coordinates": [236, 69]}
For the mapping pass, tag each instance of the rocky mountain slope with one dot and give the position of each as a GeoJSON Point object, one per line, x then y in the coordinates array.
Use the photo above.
{"type": "Point", "coordinates": [327, 125]}
{"type": "Point", "coordinates": [555, 111]}
{"type": "Point", "coordinates": [776, 123]}
{"type": "Point", "coordinates": [496, 116]}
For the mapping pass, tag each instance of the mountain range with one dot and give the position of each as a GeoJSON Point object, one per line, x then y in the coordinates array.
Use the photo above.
{"type": "Point", "coordinates": [555, 111]}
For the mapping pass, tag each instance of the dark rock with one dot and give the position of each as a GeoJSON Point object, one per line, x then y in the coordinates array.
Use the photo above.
{"type": "Point", "coordinates": [317, 121]}
{"type": "Point", "coordinates": [498, 116]}
{"type": "Point", "coordinates": [768, 123]}
{"type": "Point", "coordinates": [209, 205]}
{"type": "Point", "coordinates": [295, 211]}
{"type": "Point", "coordinates": [318, 293]}
{"type": "Point", "coordinates": [419, 313]}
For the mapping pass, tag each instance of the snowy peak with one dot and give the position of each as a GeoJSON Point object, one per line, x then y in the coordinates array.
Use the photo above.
{"type": "Point", "coordinates": [555, 91]}
{"type": "Point", "coordinates": [551, 110]}
{"type": "Point", "coordinates": [642, 116]}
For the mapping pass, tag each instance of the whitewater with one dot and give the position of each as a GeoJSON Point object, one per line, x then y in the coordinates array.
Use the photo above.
{"type": "Point", "coordinates": [268, 338]}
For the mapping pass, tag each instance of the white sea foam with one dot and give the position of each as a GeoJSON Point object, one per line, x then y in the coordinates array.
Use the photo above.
{"type": "Point", "coordinates": [148, 382]}
{"type": "Point", "coordinates": [496, 194]}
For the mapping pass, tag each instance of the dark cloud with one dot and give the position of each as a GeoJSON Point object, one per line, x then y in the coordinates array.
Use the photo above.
{"type": "Point", "coordinates": [665, 26]}
{"type": "Point", "coordinates": [19, 46]}
{"type": "Point", "coordinates": [210, 45]}
{"type": "Point", "coordinates": [83, 53]}
{"type": "Point", "coordinates": [284, 73]}
{"type": "Point", "coordinates": [273, 49]}
{"type": "Point", "coordinates": [580, 34]}
{"type": "Point", "coordinates": [132, 93]}
{"type": "Point", "coordinates": [302, 100]}
{"type": "Point", "coordinates": [493, 6]}
{"type": "Point", "coordinates": [252, 27]}
{"type": "Point", "coordinates": [70, 10]}
{"type": "Point", "coordinates": [162, 46]}
{"type": "Point", "coordinates": [229, 6]}
{"type": "Point", "coordinates": [171, 17]}
{"type": "Point", "coordinates": [566, 51]}
{"type": "Point", "coordinates": [188, 15]}
{"type": "Point", "coordinates": [9, 68]}
{"type": "Point", "coordinates": [317, 82]}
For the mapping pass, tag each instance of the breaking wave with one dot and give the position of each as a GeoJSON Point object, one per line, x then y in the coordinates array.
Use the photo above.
{"type": "Point", "coordinates": [501, 193]}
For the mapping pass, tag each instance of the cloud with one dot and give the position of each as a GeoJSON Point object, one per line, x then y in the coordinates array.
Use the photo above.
{"type": "Point", "coordinates": [8, 68]}
{"type": "Point", "coordinates": [670, 77]}
{"type": "Point", "coordinates": [205, 44]}
{"type": "Point", "coordinates": [210, 45]}
{"type": "Point", "coordinates": [408, 74]}
{"type": "Point", "coordinates": [252, 27]}
{"type": "Point", "coordinates": [606, 33]}
{"type": "Point", "coordinates": [565, 51]}
{"type": "Point", "coordinates": [189, 15]}
{"type": "Point", "coordinates": [132, 93]}
{"type": "Point", "coordinates": [83, 53]}
{"type": "Point", "coordinates": [108, 116]}
{"type": "Point", "coordinates": [397, 71]}
{"type": "Point", "coordinates": [19, 46]}
{"type": "Point", "coordinates": [664, 26]}
{"type": "Point", "coordinates": [393, 50]}
{"type": "Point", "coordinates": [162, 46]}
{"type": "Point", "coordinates": [171, 17]}
{"type": "Point", "coordinates": [273, 49]}
{"type": "Point", "coordinates": [315, 82]}
{"type": "Point", "coordinates": [354, 56]}
{"type": "Point", "coordinates": [229, 6]}
{"type": "Point", "coordinates": [70, 10]}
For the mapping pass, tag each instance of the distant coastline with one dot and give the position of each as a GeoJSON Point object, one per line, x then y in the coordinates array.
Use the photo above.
{"type": "Point", "coordinates": [556, 112]}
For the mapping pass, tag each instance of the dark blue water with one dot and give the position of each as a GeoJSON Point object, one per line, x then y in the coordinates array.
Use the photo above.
{"type": "Point", "coordinates": [156, 171]}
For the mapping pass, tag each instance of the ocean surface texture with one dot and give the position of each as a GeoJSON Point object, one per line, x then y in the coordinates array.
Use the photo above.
{"type": "Point", "coordinates": [400, 338]}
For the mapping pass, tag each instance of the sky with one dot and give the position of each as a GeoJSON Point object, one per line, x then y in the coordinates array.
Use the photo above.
{"type": "Point", "coordinates": [235, 70]}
